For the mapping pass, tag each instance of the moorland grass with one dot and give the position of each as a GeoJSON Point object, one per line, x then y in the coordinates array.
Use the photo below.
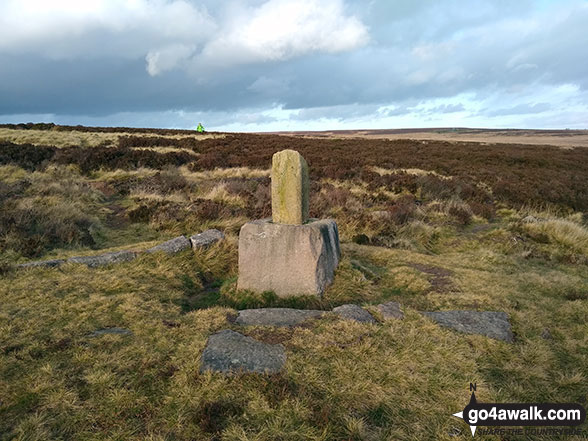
{"type": "Point", "coordinates": [421, 244]}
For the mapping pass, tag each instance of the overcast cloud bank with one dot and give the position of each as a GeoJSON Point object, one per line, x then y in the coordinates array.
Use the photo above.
{"type": "Point", "coordinates": [295, 64]}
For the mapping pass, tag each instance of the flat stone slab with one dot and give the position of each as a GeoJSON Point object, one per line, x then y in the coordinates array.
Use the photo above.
{"type": "Point", "coordinates": [391, 310]}
{"type": "Point", "coordinates": [114, 330]}
{"type": "Point", "coordinates": [354, 312]}
{"type": "Point", "coordinates": [276, 316]}
{"type": "Point", "coordinates": [104, 259]}
{"type": "Point", "coordinates": [171, 246]}
{"type": "Point", "coordinates": [230, 352]}
{"type": "Point", "coordinates": [42, 264]}
{"type": "Point", "coordinates": [493, 324]}
{"type": "Point", "coordinates": [206, 238]}
{"type": "Point", "coordinates": [289, 260]}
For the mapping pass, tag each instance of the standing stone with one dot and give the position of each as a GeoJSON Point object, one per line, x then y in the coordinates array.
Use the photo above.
{"type": "Point", "coordinates": [290, 188]}
{"type": "Point", "coordinates": [291, 255]}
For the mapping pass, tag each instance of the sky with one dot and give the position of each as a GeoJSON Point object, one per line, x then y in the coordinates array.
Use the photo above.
{"type": "Point", "coordinates": [271, 65]}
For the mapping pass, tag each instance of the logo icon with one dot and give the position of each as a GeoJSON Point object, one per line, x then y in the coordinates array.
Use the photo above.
{"type": "Point", "coordinates": [520, 414]}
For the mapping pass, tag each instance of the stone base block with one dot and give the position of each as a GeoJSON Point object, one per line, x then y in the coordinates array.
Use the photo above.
{"type": "Point", "coordinates": [288, 259]}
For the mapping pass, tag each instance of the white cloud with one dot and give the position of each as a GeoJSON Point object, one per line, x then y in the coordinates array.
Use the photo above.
{"type": "Point", "coordinates": [166, 32]}
{"type": "Point", "coordinates": [283, 29]}
{"type": "Point", "coordinates": [167, 58]}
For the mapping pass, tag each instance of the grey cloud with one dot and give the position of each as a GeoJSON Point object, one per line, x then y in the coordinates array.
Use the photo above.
{"type": "Point", "coordinates": [520, 109]}
{"type": "Point", "coordinates": [342, 112]}
{"type": "Point", "coordinates": [447, 108]}
{"type": "Point", "coordinates": [418, 52]}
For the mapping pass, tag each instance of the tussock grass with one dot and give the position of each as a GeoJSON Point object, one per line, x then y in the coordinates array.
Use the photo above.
{"type": "Point", "coordinates": [118, 174]}
{"type": "Point", "coordinates": [58, 139]}
{"type": "Point", "coordinates": [152, 196]}
{"type": "Point", "coordinates": [167, 150]}
{"type": "Point", "coordinates": [12, 173]}
{"type": "Point", "coordinates": [219, 193]}
{"type": "Point", "coordinates": [568, 239]}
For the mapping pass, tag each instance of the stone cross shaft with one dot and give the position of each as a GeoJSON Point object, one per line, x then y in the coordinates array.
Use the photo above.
{"type": "Point", "coordinates": [290, 188]}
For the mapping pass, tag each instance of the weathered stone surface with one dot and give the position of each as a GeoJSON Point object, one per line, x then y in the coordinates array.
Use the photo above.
{"type": "Point", "coordinates": [288, 259]}
{"type": "Point", "coordinates": [171, 246]}
{"type": "Point", "coordinates": [391, 310]}
{"type": "Point", "coordinates": [104, 259]}
{"type": "Point", "coordinates": [276, 316]}
{"type": "Point", "coordinates": [114, 330]}
{"type": "Point", "coordinates": [230, 352]}
{"type": "Point", "coordinates": [492, 324]}
{"type": "Point", "coordinates": [290, 188]}
{"type": "Point", "coordinates": [42, 264]}
{"type": "Point", "coordinates": [206, 238]}
{"type": "Point", "coordinates": [354, 312]}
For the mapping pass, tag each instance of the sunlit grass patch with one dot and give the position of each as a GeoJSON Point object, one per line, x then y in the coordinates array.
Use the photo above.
{"type": "Point", "coordinates": [165, 149]}
{"type": "Point", "coordinates": [409, 171]}
{"type": "Point", "coordinates": [12, 173]}
{"type": "Point", "coordinates": [118, 174]}
{"type": "Point", "coordinates": [219, 193]}
{"type": "Point", "coordinates": [224, 173]}
{"type": "Point", "coordinates": [58, 138]}
{"type": "Point", "coordinates": [153, 196]}
{"type": "Point", "coordinates": [62, 138]}
{"type": "Point", "coordinates": [567, 235]}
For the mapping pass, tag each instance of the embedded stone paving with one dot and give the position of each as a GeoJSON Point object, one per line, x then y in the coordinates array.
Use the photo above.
{"type": "Point", "coordinates": [42, 264]}
{"type": "Point", "coordinates": [231, 352]}
{"type": "Point", "coordinates": [276, 316]}
{"type": "Point", "coordinates": [172, 246]}
{"type": "Point", "coordinates": [391, 310]}
{"type": "Point", "coordinates": [354, 312]}
{"type": "Point", "coordinates": [104, 259]}
{"type": "Point", "coordinates": [493, 324]}
{"type": "Point", "coordinates": [206, 238]}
